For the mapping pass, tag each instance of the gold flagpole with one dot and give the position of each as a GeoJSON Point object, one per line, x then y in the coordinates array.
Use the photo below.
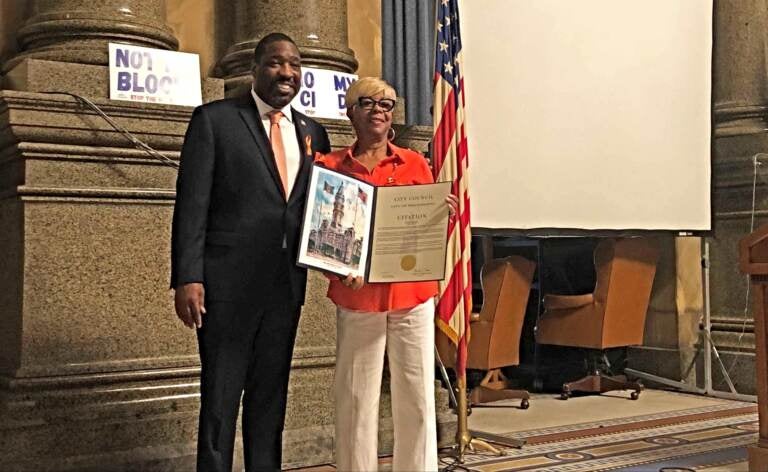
{"type": "Point", "coordinates": [464, 439]}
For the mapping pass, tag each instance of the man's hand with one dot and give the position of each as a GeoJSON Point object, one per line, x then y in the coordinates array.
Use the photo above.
{"type": "Point", "coordinates": [190, 304]}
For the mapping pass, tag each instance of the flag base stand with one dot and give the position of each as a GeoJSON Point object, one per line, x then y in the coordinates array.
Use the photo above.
{"type": "Point", "coordinates": [466, 439]}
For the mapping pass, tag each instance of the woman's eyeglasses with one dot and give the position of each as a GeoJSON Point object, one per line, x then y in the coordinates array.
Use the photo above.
{"type": "Point", "coordinates": [367, 103]}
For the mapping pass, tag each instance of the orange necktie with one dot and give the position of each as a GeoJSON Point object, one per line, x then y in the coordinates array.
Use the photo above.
{"type": "Point", "coordinates": [276, 139]}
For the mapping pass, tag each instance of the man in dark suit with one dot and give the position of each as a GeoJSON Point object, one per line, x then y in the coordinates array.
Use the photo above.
{"type": "Point", "coordinates": [240, 197]}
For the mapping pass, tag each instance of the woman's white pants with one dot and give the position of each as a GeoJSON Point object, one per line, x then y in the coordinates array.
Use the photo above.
{"type": "Point", "coordinates": [408, 336]}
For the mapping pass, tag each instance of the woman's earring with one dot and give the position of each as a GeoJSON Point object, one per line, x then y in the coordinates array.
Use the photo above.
{"type": "Point", "coordinates": [391, 134]}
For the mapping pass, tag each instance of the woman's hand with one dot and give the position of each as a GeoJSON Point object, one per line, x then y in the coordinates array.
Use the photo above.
{"type": "Point", "coordinates": [453, 204]}
{"type": "Point", "coordinates": [355, 283]}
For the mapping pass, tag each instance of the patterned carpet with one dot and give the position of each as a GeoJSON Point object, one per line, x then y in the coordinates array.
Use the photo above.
{"type": "Point", "coordinates": [708, 438]}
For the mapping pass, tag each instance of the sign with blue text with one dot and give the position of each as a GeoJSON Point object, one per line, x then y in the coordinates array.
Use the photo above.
{"type": "Point", "coordinates": [322, 93]}
{"type": "Point", "coordinates": [147, 75]}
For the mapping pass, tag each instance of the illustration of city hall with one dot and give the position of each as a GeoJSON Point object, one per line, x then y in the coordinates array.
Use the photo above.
{"type": "Point", "coordinates": [332, 239]}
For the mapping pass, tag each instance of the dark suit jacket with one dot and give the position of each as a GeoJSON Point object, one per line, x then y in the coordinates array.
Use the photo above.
{"type": "Point", "coordinates": [231, 213]}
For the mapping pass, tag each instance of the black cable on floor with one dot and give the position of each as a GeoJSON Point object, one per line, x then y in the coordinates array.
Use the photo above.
{"type": "Point", "coordinates": [454, 464]}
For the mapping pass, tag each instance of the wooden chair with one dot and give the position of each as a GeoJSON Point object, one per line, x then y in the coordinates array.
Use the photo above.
{"type": "Point", "coordinates": [612, 316]}
{"type": "Point", "coordinates": [495, 332]}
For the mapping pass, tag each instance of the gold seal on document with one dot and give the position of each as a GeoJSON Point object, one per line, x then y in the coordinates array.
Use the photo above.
{"type": "Point", "coordinates": [408, 262]}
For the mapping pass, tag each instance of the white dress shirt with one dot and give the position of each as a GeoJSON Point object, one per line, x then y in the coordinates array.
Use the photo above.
{"type": "Point", "coordinates": [288, 131]}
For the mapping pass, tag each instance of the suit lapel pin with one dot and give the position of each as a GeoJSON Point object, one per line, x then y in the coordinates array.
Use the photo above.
{"type": "Point", "coordinates": [308, 144]}
{"type": "Point", "coordinates": [303, 123]}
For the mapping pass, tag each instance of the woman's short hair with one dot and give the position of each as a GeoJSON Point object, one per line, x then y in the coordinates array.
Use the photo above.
{"type": "Point", "coordinates": [366, 87]}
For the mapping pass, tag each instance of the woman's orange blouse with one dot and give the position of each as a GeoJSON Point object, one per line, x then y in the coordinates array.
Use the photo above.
{"type": "Point", "coordinates": [400, 167]}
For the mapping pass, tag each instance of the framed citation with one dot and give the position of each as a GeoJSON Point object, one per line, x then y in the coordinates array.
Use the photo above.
{"type": "Point", "coordinates": [385, 234]}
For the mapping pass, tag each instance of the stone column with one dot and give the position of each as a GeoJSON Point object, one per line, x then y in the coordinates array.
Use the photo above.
{"type": "Point", "coordinates": [319, 28]}
{"type": "Point", "coordinates": [741, 102]}
{"type": "Point", "coordinates": [95, 371]}
{"type": "Point", "coordinates": [63, 44]}
{"type": "Point", "coordinates": [740, 89]}
{"type": "Point", "coordinates": [79, 30]}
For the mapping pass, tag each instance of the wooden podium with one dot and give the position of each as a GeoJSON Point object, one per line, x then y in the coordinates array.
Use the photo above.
{"type": "Point", "coordinates": [753, 260]}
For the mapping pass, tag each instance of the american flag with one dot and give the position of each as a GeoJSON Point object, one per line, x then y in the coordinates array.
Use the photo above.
{"type": "Point", "coordinates": [449, 159]}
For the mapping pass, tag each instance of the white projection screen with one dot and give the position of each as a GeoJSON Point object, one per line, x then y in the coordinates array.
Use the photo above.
{"type": "Point", "coordinates": [588, 114]}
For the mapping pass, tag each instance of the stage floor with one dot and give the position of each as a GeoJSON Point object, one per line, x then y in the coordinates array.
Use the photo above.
{"type": "Point", "coordinates": [660, 431]}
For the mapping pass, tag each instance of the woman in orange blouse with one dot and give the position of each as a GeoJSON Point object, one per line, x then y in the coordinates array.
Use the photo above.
{"type": "Point", "coordinates": [372, 318]}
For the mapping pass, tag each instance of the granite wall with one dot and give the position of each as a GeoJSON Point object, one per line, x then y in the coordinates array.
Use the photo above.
{"type": "Point", "coordinates": [96, 372]}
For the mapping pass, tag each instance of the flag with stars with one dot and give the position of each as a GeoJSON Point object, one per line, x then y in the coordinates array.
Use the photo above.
{"type": "Point", "coordinates": [449, 159]}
